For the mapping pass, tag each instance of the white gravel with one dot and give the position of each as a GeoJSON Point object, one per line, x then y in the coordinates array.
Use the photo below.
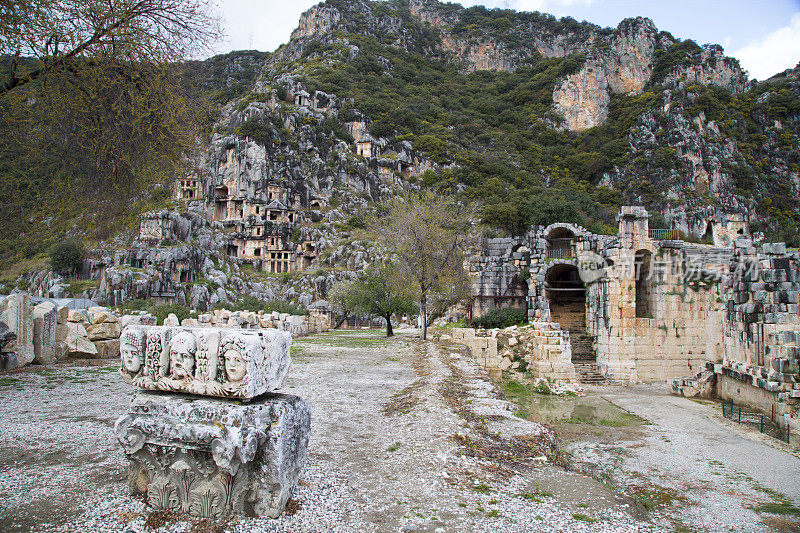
{"type": "Point", "coordinates": [389, 451]}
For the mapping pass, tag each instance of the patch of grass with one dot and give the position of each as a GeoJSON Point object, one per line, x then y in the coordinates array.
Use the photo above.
{"type": "Point", "coordinates": [8, 382]}
{"type": "Point", "coordinates": [493, 513]}
{"type": "Point", "coordinates": [536, 496]}
{"type": "Point", "coordinates": [785, 508]}
{"type": "Point", "coordinates": [625, 419]}
{"type": "Point", "coordinates": [78, 286]}
{"type": "Point", "coordinates": [651, 497]}
{"type": "Point", "coordinates": [584, 518]}
{"type": "Point", "coordinates": [483, 489]}
{"type": "Point", "coordinates": [348, 339]}
{"type": "Point", "coordinates": [394, 447]}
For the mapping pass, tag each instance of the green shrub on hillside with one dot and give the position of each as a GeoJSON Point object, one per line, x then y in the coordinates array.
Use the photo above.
{"type": "Point", "coordinates": [66, 257]}
{"type": "Point", "coordinates": [501, 318]}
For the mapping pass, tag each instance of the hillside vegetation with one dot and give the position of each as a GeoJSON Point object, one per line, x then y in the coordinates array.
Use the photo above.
{"type": "Point", "coordinates": [479, 92]}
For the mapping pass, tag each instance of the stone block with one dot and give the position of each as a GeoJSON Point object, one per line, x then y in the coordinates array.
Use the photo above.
{"type": "Point", "coordinates": [8, 361]}
{"type": "Point", "coordinates": [62, 315]}
{"type": "Point", "coordinates": [8, 339]}
{"type": "Point", "coordinates": [77, 315]}
{"type": "Point", "coordinates": [45, 321]}
{"type": "Point", "coordinates": [80, 347]}
{"type": "Point", "coordinates": [221, 362]}
{"type": "Point", "coordinates": [103, 330]}
{"type": "Point", "coordinates": [101, 317]}
{"type": "Point", "coordinates": [213, 458]}
{"type": "Point", "coordinates": [17, 314]}
{"type": "Point", "coordinates": [108, 348]}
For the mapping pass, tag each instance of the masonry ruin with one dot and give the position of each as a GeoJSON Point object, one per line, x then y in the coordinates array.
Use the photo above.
{"type": "Point", "coordinates": [646, 306]}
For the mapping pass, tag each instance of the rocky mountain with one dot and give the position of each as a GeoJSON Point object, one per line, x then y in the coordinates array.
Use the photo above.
{"type": "Point", "coordinates": [537, 119]}
{"type": "Point", "coordinates": [500, 105]}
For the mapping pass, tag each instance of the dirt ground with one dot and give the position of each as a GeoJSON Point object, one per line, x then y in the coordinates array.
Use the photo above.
{"type": "Point", "coordinates": [412, 436]}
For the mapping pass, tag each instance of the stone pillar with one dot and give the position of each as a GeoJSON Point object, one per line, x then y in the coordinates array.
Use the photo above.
{"type": "Point", "coordinates": [238, 453]}
{"type": "Point", "coordinates": [44, 333]}
{"type": "Point", "coordinates": [634, 224]}
{"type": "Point", "coordinates": [15, 311]}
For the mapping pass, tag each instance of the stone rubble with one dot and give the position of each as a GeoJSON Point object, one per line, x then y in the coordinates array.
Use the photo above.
{"type": "Point", "coordinates": [47, 333]}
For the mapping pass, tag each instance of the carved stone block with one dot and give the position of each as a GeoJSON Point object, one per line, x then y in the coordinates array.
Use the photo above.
{"type": "Point", "coordinates": [206, 361]}
{"type": "Point", "coordinates": [213, 458]}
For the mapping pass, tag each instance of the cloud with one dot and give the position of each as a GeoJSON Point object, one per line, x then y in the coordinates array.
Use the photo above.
{"type": "Point", "coordinates": [774, 53]}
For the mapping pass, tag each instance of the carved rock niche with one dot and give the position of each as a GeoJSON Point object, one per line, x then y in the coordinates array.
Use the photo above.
{"type": "Point", "coordinates": [240, 452]}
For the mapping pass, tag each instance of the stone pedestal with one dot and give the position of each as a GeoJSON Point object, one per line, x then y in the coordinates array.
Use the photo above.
{"type": "Point", "coordinates": [214, 458]}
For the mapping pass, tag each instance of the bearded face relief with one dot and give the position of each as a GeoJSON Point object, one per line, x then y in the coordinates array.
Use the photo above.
{"type": "Point", "coordinates": [131, 350]}
{"type": "Point", "coordinates": [235, 364]}
{"type": "Point", "coordinates": [205, 361]}
{"type": "Point", "coordinates": [182, 349]}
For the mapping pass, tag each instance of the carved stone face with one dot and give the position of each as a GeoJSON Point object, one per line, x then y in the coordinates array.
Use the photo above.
{"type": "Point", "coordinates": [235, 365]}
{"type": "Point", "coordinates": [131, 357]}
{"type": "Point", "coordinates": [181, 356]}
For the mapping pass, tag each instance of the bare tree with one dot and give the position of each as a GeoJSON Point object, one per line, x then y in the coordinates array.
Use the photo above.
{"type": "Point", "coordinates": [426, 235]}
{"type": "Point", "coordinates": [57, 36]}
{"type": "Point", "coordinates": [96, 118]}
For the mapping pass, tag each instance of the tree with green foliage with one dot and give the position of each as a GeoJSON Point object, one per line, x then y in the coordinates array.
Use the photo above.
{"type": "Point", "coordinates": [380, 290]}
{"type": "Point", "coordinates": [66, 257]}
{"type": "Point", "coordinates": [341, 298]}
{"type": "Point", "coordinates": [94, 110]}
{"type": "Point", "coordinates": [425, 236]}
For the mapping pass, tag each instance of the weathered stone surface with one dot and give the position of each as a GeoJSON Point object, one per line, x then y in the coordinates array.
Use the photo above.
{"type": "Point", "coordinates": [101, 317]}
{"type": "Point", "coordinates": [103, 330]}
{"type": "Point", "coordinates": [7, 338]}
{"type": "Point", "coordinates": [62, 315]}
{"type": "Point", "coordinates": [80, 348]}
{"type": "Point", "coordinates": [77, 315]}
{"type": "Point", "coordinates": [44, 333]}
{"type": "Point", "coordinates": [107, 348]}
{"type": "Point", "coordinates": [16, 313]}
{"type": "Point", "coordinates": [8, 361]}
{"type": "Point", "coordinates": [213, 458]}
{"type": "Point", "coordinates": [207, 361]}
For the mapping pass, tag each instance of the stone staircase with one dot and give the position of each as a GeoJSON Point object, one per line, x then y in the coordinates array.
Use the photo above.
{"type": "Point", "coordinates": [572, 317]}
{"type": "Point", "coordinates": [588, 372]}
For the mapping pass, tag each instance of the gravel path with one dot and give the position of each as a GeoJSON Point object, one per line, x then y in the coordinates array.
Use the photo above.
{"type": "Point", "coordinates": [406, 436]}
{"type": "Point", "coordinates": [712, 471]}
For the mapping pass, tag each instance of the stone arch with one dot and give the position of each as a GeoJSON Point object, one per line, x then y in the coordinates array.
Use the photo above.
{"type": "Point", "coordinates": [643, 262]}
{"type": "Point", "coordinates": [566, 297]}
{"type": "Point", "coordinates": [560, 241]}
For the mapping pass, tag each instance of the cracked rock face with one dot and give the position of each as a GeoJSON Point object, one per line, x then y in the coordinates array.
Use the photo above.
{"type": "Point", "coordinates": [213, 458]}
{"type": "Point", "coordinates": [206, 361]}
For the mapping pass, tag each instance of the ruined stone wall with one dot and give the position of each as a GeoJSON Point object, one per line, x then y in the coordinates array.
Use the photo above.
{"type": "Point", "coordinates": [762, 324]}
{"type": "Point", "coordinates": [682, 328]}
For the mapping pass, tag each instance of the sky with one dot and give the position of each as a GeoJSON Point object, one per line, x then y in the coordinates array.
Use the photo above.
{"type": "Point", "coordinates": [764, 35]}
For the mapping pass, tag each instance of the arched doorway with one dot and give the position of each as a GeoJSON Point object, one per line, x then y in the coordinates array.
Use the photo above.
{"type": "Point", "coordinates": [566, 296]}
{"type": "Point", "coordinates": [560, 243]}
